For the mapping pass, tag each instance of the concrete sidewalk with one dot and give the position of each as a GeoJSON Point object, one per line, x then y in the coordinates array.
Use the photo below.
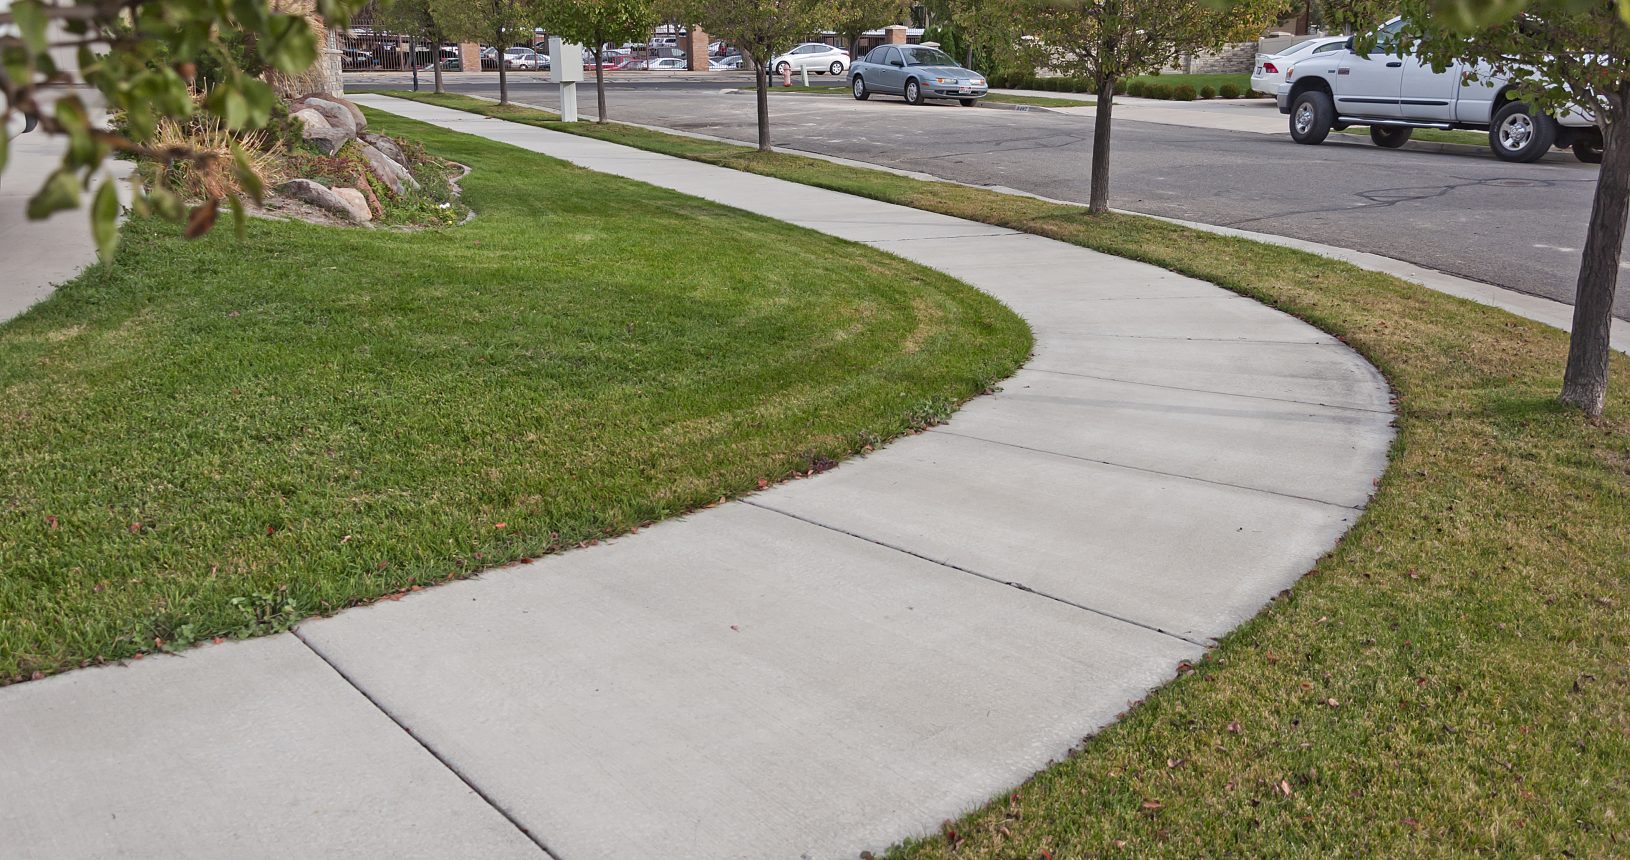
{"type": "Point", "coordinates": [824, 668]}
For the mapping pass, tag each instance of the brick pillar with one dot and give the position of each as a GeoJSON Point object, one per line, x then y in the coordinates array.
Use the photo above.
{"type": "Point", "coordinates": [469, 56]}
{"type": "Point", "coordinates": [894, 34]}
{"type": "Point", "coordinates": [695, 48]}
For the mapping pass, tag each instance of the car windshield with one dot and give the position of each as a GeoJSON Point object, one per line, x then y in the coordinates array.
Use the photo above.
{"type": "Point", "coordinates": [1304, 45]}
{"type": "Point", "coordinates": [928, 57]}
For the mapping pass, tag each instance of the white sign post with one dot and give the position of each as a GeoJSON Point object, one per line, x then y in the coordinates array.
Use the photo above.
{"type": "Point", "coordinates": [566, 69]}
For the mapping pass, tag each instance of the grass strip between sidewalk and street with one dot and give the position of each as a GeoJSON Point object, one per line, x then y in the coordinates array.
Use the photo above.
{"type": "Point", "coordinates": [1429, 135]}
{"type": "Point", "coordinates": [221, 437]}
{"type": "Point", "coordinates": [999, 98]}
{"type": "Point", "coordinates": [1451, 679]}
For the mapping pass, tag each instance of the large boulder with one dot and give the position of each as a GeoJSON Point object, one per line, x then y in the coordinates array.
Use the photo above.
{"type": "Point", "coordinates": [320, 196]}
{"type": "Point", "coordinates": [316, 128]}
{"type": "Point", "coordinates": [385, 145]}
{"type": "Point", "coordinates": [355, 202]}
{"type": "Point", "coordinates": [394, 175]}
{"type": "Point", "coordinates": [336, 114]}
{"type": "Point", "coordinates": [357, 117]}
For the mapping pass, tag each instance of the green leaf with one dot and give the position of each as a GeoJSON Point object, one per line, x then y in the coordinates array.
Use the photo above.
{"type": "Point", "coordinates": [240, 218]}
{"type": "Point", "coordinates": [247, 177]}
{"type": "Point", "coordinates": [290, 45]}
{"type": "Point", "coordinates": [105, 220]}
{"type": "Point", "coordinates": [29, 15]}
{"type": "Point", "coordinates": [58, 193]}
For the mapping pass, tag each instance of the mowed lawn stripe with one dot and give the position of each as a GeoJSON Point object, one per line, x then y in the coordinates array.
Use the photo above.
{"type": "Point", "coordinates": [218, 438]}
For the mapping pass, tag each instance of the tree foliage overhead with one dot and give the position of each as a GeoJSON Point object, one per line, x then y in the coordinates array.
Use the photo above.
{"type": "Point", "coordinates": [142, 55]}
{"type": "Point", "coordinates": [499, 23]}
{"type": "Point", "coordinates": [596, 23]}
{"type": "Point", "coordinates": [761, 28]}
{"type": "Point", "coordinates": [852, 18]}
{"type": "Point", "coordinates": [1109, 40]}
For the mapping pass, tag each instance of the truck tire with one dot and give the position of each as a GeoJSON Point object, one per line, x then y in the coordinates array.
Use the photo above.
{"type": "Point", "coordinates": [1588, 150]}
{"type": "Point", "coordinates": [1311, 116]}
{"type": "Point", "coordinates": [1518, 134]}
{"type": "Point", "coordinates": [1390, 136]}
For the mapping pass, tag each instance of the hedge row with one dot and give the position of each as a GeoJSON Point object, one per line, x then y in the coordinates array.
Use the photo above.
{"type": "Point", "coordinates": [1137, 88]}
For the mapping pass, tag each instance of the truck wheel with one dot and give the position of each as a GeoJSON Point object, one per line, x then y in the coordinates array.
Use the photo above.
{"type": "Point", "coordinates": [1588, 150]}
{"type": "Point", "coordinates": [1390, 137]}
{"type": "Point", "coordinates": [1520, 135]}
{"type": "Point", "coordinates": [1311, 116]}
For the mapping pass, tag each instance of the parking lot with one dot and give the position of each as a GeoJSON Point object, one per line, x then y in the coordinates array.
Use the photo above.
{"type": "Point", "coordinates": [1514, 225]}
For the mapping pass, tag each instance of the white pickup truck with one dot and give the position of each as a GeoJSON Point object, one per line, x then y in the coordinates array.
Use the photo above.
{"type": "Point", "coordinates": [1395, 95]}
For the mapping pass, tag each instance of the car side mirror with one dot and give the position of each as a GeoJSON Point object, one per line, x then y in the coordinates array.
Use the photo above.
{"type": "Point", "coordinates": [1348, 44]}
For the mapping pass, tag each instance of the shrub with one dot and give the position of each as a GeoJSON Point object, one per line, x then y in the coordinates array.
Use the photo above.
{"type": "Point", "coordinates": [1137, 89]}
{"type": "Point", "coordinates": [1160, 91]}
{"type": "Point", "coordinates": [1183, 93]}
{"type": "Point", "coordinates": [1208, 92]}
{"type": "Point", "coordinates": [1229, 91]}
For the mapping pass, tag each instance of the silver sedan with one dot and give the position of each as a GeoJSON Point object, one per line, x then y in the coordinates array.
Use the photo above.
{"type": "Point", "coordinates": [916, 73]}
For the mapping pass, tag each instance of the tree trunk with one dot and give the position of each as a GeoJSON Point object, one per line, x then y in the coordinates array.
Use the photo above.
{"type": "Point", "coordinates": [1585, 383]}
{"type": "Point", "coordinates": [438, 66]}
{"type": "Point", "coordinates": [1098, 203]}
{"type": "Point", "coordinates": [763, 105]}
{"type": "Point", "coordinates": [503, 81]}
{"type": "Point", "coordinates": [600, 77]}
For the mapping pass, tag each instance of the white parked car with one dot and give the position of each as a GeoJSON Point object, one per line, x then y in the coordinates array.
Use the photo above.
{"type": "Point", "coordinates": [524, 59]}
{"type": "Point", "coordinates": [667, 64]}
{"type": "Point", "coordinates": [813, 56]}
{"type": "Point", "coordinates": [1269, 71]}
{"type": "Point", "coordinates": [1395, 95]}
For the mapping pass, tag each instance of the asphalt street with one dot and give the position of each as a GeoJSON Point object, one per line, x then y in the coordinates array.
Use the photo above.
{"type": "Point", "coordinates": [1518, 226]}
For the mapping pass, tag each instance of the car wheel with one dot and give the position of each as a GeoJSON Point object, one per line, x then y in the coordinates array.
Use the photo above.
{"type": "Point", "coordinates": [1390, 137]}
{"type": "Point", "coordinates": [1588, 150]}
{"type": "Point", "coordinates": [782, 69]}
{"type": "Point", "coordinates": [914, 92]}
{"type": "Point", "coordinates": [968, 102]}
{"type": "Point", "coordinates": [1311, 116]}
{"type": "Point", "coordinates": [858, 87]}
{"type": "Point", "coordinates": [836, 68]}
{"type": "Point", "coordinates": [1517, 134]}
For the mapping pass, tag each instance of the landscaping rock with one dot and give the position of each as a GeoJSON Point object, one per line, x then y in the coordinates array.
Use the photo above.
{"type": "Point", "coordinates": [387, 146]}
{"type": "Point", "coordinates": [357, 118]}
{"type": "Point", "coordinates": [315, 127]}
{"type": "Point", "coordinates": [355, 202]}
{"type": "Point", "coordinates": [336, 114]}
{"type": "Point", "coordinates": [394, 175]}
{"type": "Point", "coordinates": [318, 195]}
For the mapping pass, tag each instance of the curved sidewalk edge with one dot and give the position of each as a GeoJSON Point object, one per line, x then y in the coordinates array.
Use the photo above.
{"type": "Point", "coordinates": [823, 668]}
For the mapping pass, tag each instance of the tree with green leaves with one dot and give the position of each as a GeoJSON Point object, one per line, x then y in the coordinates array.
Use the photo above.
{"type": "Point", "coordinates": [140, 55]}
{"type": "Point", "coordinates": [761, 28]}
{"type": "Point", "coordinates": [499, 23]}
{"type": "Point", "coordinates": [413, 18]}
{"type": "Point", "coordinates": [595, 23]}
{"type": "Point", "coordinates": [1108, 41]}
{"type": "Point", "coordinates": [1558, 55]}
{"type": "Point", "coordinates": [853, 18]}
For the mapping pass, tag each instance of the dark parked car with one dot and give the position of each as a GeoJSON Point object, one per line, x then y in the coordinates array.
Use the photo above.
{"type": "Point", "coordinates": [917, 73]}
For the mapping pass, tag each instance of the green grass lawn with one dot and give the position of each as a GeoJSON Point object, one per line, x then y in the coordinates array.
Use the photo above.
{"type": "Point", "coordinates": [217, 438]}
{"type": "Point", "coordinates": [1243, 81]}
{"type": "Point", "coordinates": [1451, 680]}
{"type": "Point", "coordinates": [1431, 135]}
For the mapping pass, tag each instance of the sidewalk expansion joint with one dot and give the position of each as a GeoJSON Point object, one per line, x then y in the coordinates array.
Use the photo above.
{"type": "Point", "coordinates": [514, 822]}
{"type": "Point", "coordinates": [1147, 471]}
{"type": "Point", "coordinates": [985, 576]}
{"type": "Point", "coordinates": [1366, 409]}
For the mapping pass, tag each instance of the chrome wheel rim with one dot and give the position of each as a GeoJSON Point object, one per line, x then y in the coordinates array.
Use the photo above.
{"type": "Point", "coordinates": [911, 91]}
{"type": "Point", "coordinates": [1304, 118]}
{"type": "Point", "coordinates": [836, 68]}
{"type": "Point", "coordinates": [860, 87]}
{"type": "Point", "coordinates": [1516, 131]}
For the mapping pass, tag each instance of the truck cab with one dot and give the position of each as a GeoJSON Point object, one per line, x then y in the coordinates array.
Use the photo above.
{"type": "Point", "coordinates": [1393, 92]}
